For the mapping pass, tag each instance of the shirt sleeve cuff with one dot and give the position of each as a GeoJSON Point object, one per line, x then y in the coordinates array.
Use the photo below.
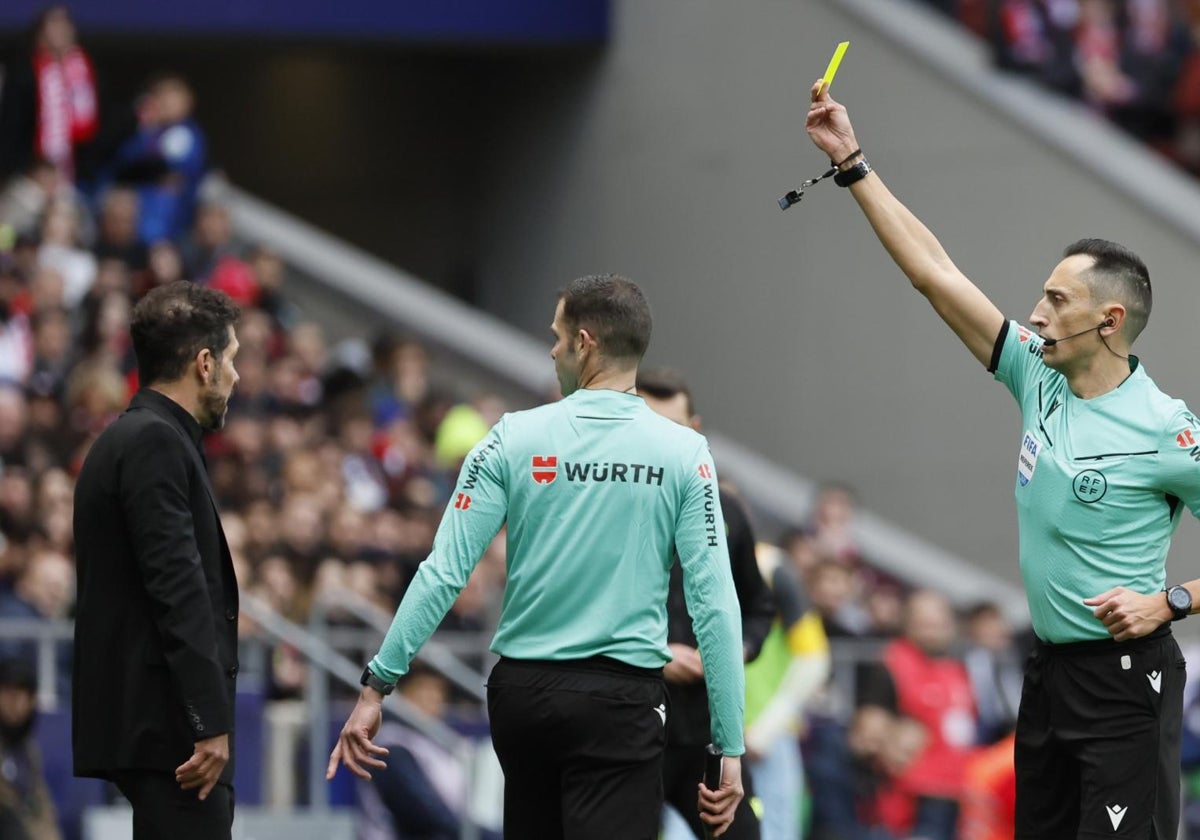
{"type": "Point", "coordinates": [384, 673]}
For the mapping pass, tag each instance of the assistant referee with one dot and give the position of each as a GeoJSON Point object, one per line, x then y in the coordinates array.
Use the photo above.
{"type": "Point", "coordinates": [1106, 464]}
{"type": "Point", "coordinates": [598, 493]}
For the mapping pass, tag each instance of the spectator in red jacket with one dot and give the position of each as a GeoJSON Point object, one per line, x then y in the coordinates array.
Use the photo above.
{"type": "Point", "coordinates": [49, 106]}
{"type": "Point", "coordinates": [923, 682]}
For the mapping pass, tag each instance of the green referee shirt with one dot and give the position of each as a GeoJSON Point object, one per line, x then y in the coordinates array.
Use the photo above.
{"type": "Point", "coordinates": [599, 492]}
{"type": "Point", "coordinates": [1100, 487]}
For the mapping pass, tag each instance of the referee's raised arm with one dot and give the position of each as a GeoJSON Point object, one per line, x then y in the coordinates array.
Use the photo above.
{"type": "Point", "coordinates": [966, 309]}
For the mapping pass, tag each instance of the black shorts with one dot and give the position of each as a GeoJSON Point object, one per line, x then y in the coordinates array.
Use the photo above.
{"type": "Point", "coordinates": [581, 745]}
{"type": "Point", "coordinates": [1098, 740]}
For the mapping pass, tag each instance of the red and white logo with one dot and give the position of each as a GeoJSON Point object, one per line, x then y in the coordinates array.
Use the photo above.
{"type": "Point", "coordinates": [705, 471]}
{"type": "Point", "coordinates": [463, 502]}
{"type": "Point", "coordinates": [1185, 439]}
{"type": "Point", "coordinates": [545, 468]}
{"type": "Point", "coordinates": [1023, 334]}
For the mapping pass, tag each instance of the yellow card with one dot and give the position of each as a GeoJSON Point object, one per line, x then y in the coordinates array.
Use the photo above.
{"type": "Point", "coordinates": [834, 63]}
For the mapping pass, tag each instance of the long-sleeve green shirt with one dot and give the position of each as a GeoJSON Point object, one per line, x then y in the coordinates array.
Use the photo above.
{"type": "Point", "coordinates": [598, 493]}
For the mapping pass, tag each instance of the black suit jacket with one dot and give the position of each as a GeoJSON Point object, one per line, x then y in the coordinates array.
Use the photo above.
{"type": "Point", "coordinates": [156, 619]}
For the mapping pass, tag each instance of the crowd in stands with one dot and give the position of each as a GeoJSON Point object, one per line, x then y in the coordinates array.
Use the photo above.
{"type": "Point", "coordinates": [919, 698]}
{"type": "Point", "coordinates": [1136, 62]}
{"type": "Point", "coordinates": [336, 462]}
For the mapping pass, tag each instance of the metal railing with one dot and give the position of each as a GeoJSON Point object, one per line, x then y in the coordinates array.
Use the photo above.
{"type": "Point", "coordinates": [434, 653]}
{"type": "Point", "coordinates": [324, 662]}
{"type": "Point", "coordinates": [46, 635]}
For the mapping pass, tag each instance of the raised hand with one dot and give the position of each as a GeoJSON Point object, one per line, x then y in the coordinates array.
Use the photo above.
{"type": "Point", "coordinates": [828, 124]}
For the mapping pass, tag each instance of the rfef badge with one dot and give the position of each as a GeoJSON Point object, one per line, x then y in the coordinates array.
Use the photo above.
{"type": "Point", "coordinates": [1027, 459]}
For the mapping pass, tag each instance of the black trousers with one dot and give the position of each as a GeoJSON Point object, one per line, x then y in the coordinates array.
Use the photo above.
{"type": "Point", "coordinates": [683, 768]}
{"type": "Point", "coordinates": [1098, 740]}
{"type": "Point", "coordinates": [161, 811]}
{"type": "Point", "coordinates": [581, 745]}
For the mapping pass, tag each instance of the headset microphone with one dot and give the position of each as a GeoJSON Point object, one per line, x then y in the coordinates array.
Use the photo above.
{"type": "Point", "coordinates": [1050, 342]}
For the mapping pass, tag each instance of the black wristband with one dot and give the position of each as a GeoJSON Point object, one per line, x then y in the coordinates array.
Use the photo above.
{"type": "Point", "coordinates": [370, 680]}
{"type": "Point", "coordinates": [846, 159]}
{"type": "Point", "coordinates": [853, 175]}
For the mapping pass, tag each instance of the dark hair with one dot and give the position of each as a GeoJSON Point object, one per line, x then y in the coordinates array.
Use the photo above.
{"type": "Point", "coordinates": [18, 673]}
{"type": "Point", "coordinates": [43, 16]}
{"type": "Point", "coordinates": [613, 309]}
{"type": "Point", "coordinates": [794, 534]}
{"type": "Point", "coordinates": [173, 323]}
{"type": "Point", "coordinates": [165, 77]}
{"type": "Point", "coordinates": [982, 609]}
{"type": "Point", "coordinates": [1117, 274]}
{"type": "Point", "coordinates": [664, 384]}
{"type": "Point", "coordinates": [418, 671]}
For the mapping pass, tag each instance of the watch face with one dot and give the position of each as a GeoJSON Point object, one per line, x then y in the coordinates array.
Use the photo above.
{"type": "Point", "coordinates": [1179, 598]}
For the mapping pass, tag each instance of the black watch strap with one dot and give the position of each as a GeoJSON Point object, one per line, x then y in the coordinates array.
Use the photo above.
{"type": "Point", "coordinates": [853, 175]}
{"type": "Point", "coordinates": [382, 686]}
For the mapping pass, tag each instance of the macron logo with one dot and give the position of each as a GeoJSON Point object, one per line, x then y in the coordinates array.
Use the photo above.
{"type": "Point", "coordinates": [1115, 814]}
{"type": "Point", "coordinates": [1155, 678]}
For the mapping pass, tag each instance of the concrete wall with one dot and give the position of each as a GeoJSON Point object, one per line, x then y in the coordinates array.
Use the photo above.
{"type": "Point", "coordinates": [802, 338]}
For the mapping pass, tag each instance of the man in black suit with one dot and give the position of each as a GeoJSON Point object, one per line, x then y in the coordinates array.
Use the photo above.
{"type": "Point", "coordinates": [156, 623]}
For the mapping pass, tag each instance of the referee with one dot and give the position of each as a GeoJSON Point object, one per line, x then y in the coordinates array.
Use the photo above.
{"type": "Point", "coordinates": [1106, 464]}
{"type": "Point", "coordinates": [598, 492]}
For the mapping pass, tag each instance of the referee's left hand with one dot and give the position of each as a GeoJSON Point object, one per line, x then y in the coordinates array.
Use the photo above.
{"type": "Point", "coordinates": [1129, 615]}
{"type": "Point", "coordinates": [354, 748]}
{"type": "Point", "coordinates": [717, 807]}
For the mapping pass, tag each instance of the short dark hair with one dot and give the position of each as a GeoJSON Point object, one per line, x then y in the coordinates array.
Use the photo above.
{"type": "Point", "coordinates": [159, 78]}
{"type": "Point", "coordinates": [982, 609]}
{"type": "Point", "coordinates": [17, 673]}
{"type": "Point", "coordinates": [664, 384]}
{"type": "Point", "coordinates": [173, 323]}
{"type": "Point", "coordinates": [793, 534]}
{"type": "Point", "coordinates": [613, 309]}
{"type": "Point", "coordinates": [1117, 274]}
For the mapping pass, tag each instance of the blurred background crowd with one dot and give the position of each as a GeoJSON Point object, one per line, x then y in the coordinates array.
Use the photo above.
{"type": "Point", "coordinates": [339, 457]}
{"type": "Point", "coordinates": [1137, 62]}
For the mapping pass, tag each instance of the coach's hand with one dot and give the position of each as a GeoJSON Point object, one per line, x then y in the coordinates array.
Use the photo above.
{"type": "Point", "coordinates": [717, 807]}
{"type": "Point", "coordinates": [1128, 615]}
{"type": "Point", "coordinates": [354, 748]}
{"type": "Point", "coordinates": [828, 125]}
{"type": "Point", "coordinates": [203, 769]}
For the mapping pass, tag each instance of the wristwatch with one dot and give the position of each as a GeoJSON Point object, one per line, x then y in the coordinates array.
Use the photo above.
{"type": "Point", "coordinates": [382, 686]}
{"type": "Point", "coordinates": [1179, 599]}
{"type": "Point", "coordinates": [853, 175]}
